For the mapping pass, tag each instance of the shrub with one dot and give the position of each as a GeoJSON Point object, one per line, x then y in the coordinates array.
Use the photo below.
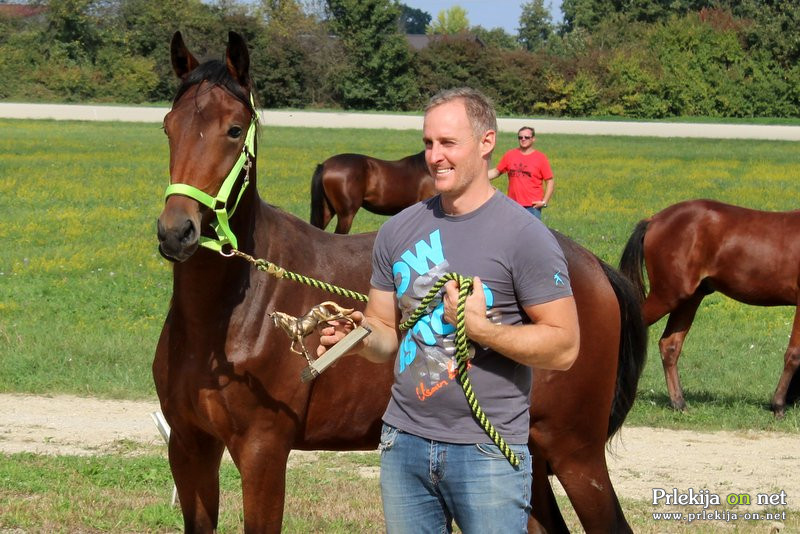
{"type": "Point", "coordinates": [279, 72]}
{"type": "Point", "coordinates": [583, 95]}
{"type": "Point", "coordinates": [123, 78]}
{"type": "Point", "coordinates": [452, 61]}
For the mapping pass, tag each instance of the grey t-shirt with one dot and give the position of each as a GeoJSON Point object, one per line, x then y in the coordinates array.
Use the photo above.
{"type": "Point", "coordinates": [520, 264]}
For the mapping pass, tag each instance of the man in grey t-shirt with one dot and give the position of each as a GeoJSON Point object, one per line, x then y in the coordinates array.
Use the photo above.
{"type": "Point", "coordinates": [437, 463]}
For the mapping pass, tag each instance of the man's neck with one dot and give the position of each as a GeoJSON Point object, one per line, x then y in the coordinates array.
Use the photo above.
{"type": "Point", "coordinates": [468, 201]}
{"type": "Point", "coordinates": [526, 151]}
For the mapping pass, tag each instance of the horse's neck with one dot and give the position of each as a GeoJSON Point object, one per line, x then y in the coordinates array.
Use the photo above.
{"type": "Point", "coordinates": [419, 161]}
{"type": "Point", "coordinates": [208, 279]}
{"type": "Point", "coordinates": [217, 278]}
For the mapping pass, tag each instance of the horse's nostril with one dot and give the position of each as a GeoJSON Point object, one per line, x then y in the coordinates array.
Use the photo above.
{"type": "Point", "coordinates": [187, 235]}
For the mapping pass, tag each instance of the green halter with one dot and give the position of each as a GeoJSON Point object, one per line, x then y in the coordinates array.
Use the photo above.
{"type": "Point", "coordinates": [218, 203]}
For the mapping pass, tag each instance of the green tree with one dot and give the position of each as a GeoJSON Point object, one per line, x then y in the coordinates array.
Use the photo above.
{"type": "Point", "coordinates": [535, 25]}
{"type": "Point", "coordinates": [772, 26]}
{"type": "Point", "coordinates": [589, 13]}
{"type": "Point", "coordinates": [70, 22]}
{"type": "Point", "coordinates": [449, 22]}
{"type": "Point", "coordinates": [413, 20]}
{"type": "Point", "coordinates": [496, 37]}
{"type": "Point", "coordinates": [148, 27]}
{"type": "Point", "coordinates": [452, 61]}
{"type": "Point", "coordinates": [295, 57]}
{"type": "Point", "coordinates": [378, 73]}
{"type": "Point", "coordinates": [586, 14]}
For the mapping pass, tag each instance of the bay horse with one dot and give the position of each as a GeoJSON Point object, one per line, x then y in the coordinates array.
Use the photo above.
{"type": "Point", "coordinates": [344, 183]}
{"type": "Point", "coordinates": [696, 247]}
{"type": "Point", "coordinates": [225, 374]}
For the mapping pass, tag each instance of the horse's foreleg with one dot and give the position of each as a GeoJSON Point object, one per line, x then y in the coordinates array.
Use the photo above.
{"type": "Point", "coordinates": [344, 221]}
{"type": "Point", "coordinates": [545, 515]}
{"type": "Point", "coordinates": [584, 476]}
{"type": "Point", "coordinates": [345, 203]}
{"type": "Point", "coordinates": [578, 458]}
{"type": "Point", "coordinates": [791, 361]}
{"type": "Point", "coordinates": [262, 465]}
{"type": "Point", "coordinates": [327, 214]}
{"type": "Point", "coordinates": [194, 459]}
{"type": "Point", "coordinates": [671, 343]}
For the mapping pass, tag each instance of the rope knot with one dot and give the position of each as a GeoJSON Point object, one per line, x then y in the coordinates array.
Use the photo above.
{"type": "Point", "coordinates": [274, 270]}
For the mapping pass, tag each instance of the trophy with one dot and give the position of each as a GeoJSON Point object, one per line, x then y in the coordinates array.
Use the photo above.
{"type": "Point", "coordinates": [298, 328]}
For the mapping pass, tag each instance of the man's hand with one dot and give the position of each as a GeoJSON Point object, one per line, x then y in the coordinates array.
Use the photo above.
{"type": "Point", "coordinates": [335, 331]}
{"type": "Point", "coordinates": [475, 308]}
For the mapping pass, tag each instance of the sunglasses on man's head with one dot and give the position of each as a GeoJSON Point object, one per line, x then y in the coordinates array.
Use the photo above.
{"type": "Point", "coordinates": [526, 137]}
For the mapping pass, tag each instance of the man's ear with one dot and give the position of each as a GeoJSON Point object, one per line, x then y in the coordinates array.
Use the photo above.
{"type": "Point", "coordinates": [487, 143]}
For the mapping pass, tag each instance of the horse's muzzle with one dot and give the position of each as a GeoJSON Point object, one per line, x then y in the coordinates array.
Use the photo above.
{"type": "Point", "coordinates": [178, 242]}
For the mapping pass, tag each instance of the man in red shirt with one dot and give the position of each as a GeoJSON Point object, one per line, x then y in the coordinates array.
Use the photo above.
{"type": "Point", "coordinates": [527, 170]}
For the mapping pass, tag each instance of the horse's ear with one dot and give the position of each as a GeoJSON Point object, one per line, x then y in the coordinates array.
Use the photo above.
{"type": "Point", "coordinates": [183, 62]}
{"type": "Point", "coordinates": [238, 59]}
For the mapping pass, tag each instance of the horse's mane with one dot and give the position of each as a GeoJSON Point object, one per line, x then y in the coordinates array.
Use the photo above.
{"type": "Point", "coordinates": [215, 72]}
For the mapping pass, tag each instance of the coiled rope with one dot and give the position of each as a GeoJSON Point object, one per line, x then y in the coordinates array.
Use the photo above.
{"type": "Point", "coordinates": [465, 286]}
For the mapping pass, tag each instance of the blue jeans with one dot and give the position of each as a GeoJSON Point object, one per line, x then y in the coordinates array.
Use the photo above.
{"type": "Point", "coordinates": [536, 212]}
{"type": "Point", "coordinates": [427, 484]}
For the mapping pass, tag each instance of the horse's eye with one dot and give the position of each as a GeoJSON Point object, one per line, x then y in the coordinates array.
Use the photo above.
{"type": "Point", "coordinates": [235, 132]}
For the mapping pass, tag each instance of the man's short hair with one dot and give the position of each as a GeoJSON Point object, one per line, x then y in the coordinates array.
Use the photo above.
{"type": "Point", "coordinates": [533, 132]}
{"type": "Point", "coordinates": [480, 109]}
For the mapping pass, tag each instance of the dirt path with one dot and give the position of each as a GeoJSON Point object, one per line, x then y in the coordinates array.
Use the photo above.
{"type": "Point", "coordinates": [327, 119]}
{"type": "Point", "coordinates": [641, 458]}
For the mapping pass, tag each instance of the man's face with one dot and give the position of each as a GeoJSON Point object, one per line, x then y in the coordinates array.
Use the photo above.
{"type": "Point", "coordinates": [454, 156]}
{"type": "Point", "coordinates": [525, 138]}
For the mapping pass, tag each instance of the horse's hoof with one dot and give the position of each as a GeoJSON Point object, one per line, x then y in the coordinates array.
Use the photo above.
{"type": "Point", "coordinates": [679, 406]}
{"type": "Point", "coordinates": [779, 411]}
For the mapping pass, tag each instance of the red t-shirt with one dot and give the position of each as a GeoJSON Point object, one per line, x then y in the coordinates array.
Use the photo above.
{"type": "Point", "coordinates": [526, 172]}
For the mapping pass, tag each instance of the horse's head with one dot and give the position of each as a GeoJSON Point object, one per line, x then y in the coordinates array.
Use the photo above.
{"type": "Point", "coordinates": [211, 129]}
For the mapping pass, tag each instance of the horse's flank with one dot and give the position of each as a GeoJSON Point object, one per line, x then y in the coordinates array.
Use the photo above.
{"type": "Point", "coordinates": [694, 248]}
{"type": "Point", "coordinates": [344, 183]}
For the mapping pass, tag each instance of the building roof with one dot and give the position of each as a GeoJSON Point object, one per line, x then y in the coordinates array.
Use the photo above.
{"type": "Point", "coordinates": [418, 41]}
{"type": "Point", "coordinates": [20, 10]}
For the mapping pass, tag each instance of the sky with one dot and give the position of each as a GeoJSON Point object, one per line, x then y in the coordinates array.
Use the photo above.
{"type": "Point", "coordinates": [487, 13]}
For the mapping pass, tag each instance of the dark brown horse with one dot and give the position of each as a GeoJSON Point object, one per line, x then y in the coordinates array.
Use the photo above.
{"type": "Point", "coordinates": [694, 248]}
{"type": "Point", "coordinates": [344, 183]}
{"type": "Point", "coordinates": [226, 376]}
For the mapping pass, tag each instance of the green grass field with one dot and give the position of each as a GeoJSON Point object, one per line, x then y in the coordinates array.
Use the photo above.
{"type": "Point", "coordinates": [331, 494]}
{"type": "Point", "coordinates": [83, 291]}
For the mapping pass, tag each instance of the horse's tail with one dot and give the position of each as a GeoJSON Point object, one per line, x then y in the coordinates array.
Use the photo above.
{"type": "Point", "coordinates": [632, 261]}
{"type": "Point", "coordinates": [632, 347]}
{"type": "Point", "coordinates": [317, 199]}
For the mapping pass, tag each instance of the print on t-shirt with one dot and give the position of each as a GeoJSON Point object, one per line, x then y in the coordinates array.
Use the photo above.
{"type": "Point", "coordinates": [437, 363]}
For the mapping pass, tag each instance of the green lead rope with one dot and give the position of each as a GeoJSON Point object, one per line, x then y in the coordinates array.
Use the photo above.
{"type": "Point", "coordinates": [462, 348]}
{"type": "Point", "coordinates": [280, 272]}
{"type": "Point", "coordinates": [465, 286]}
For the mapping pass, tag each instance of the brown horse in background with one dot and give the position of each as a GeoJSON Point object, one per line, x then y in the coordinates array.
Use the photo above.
{"type": "Point", "coordinates": [694, 248]}
{"type": "Point", "coordinates": [225, 374]}
{"type": "Point", "coordinates": [344, 183]}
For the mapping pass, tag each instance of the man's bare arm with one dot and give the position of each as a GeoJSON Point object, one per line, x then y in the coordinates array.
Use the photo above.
{"type": "Point", "coordinates": [551, 342]}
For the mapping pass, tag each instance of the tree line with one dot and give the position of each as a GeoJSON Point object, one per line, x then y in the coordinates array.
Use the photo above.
{"type": "Point", "coordinates": [628, 58]}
